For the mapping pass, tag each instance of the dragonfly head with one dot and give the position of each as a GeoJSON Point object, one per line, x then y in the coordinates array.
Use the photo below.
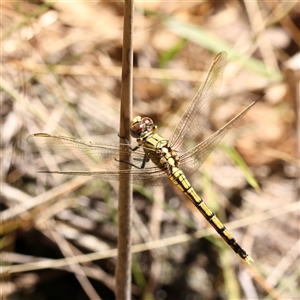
{"type": "Point", "coordinates": [141, 126]}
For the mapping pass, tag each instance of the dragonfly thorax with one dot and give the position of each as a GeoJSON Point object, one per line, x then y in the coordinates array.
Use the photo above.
{"type": "Point", "coordinates": [141, 127]}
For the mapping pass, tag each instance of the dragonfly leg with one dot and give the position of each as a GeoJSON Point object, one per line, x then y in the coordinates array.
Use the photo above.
{"type": "Point", "coordinates": [145, 160]}
{"type": "Point", "coordinates": [128, 144]}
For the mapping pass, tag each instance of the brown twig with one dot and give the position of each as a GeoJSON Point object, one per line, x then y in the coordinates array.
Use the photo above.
{"type": "Point", "coordinates": [123, 269]}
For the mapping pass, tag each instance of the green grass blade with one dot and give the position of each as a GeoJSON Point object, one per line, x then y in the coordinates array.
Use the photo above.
{"type": "Point", "coordinates": [238, 160]}
{"type": "Point", "coordinates": [211, 42]}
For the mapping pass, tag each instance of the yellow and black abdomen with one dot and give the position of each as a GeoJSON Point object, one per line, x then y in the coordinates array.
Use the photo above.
{"type": "Point", "coordinates": [164, 156]}
{"type": "Point", "coordinates": [179, 180]}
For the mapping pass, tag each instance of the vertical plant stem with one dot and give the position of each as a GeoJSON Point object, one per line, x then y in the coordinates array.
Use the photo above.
{"type": "Point", "coordinates": [123, 269]}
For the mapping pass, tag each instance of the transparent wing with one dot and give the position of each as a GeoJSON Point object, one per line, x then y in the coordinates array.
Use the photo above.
{"type": "Point", "coordinates": [188, 132]}
{"type": "Point", "coordinates": [101, 158]}
{"type": "Point", "coordinates": [150, 176]}
{"type": "Point", "coordinates": [193, 159]}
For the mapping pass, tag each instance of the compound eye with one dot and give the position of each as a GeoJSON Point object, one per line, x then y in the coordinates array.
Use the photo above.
{"type": "Point", "coordinates": [136, 120]}
{"type": "Point", "coordinates": [136, 130]}
{"type": "Point", "coordinates": [147, 121]}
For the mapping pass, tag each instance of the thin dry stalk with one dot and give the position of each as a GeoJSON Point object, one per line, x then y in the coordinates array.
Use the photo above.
{"type": "Point", "coordinates": [123, 269]}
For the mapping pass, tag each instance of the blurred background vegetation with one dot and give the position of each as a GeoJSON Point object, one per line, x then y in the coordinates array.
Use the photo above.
{"type": "Point", "coordinates": [61, 74]}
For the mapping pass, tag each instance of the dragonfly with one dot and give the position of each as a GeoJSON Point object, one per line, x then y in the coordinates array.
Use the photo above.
{"type": "Point", "coordinates": [156, 160]}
